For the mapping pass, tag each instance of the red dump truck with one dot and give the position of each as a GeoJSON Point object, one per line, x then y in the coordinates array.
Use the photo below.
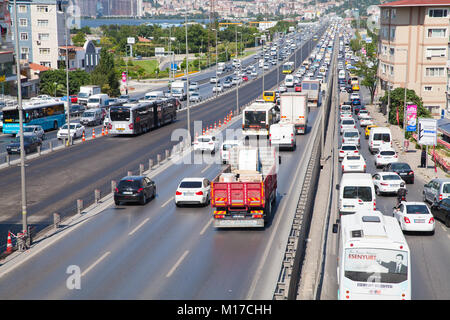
{"type": "Point", "coordinates": [243, 194]}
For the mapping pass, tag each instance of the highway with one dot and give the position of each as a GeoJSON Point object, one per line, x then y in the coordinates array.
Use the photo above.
{"type": "Point", "coordinates": [56, 180]}
{"type": "Point", "coordinates": [156, 251]}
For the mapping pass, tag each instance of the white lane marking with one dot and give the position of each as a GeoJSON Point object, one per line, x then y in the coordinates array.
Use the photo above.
{"type": "Point", "coordinates": [138, 227]}
{"type": "Point", "coordinates": [167, 202]}
{"type": "Point", "coordinates": [96, 263]}
{"type": "Point", "coordinates": [206, 226]}
{"type": "Point", "coordinates": [206, 168]}
{"type": "Point", "coordinates": [177, 264]}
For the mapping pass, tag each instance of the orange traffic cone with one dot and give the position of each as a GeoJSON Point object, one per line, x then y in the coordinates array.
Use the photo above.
{"type": "Point", "coordinates": [103, 131]}
{"type": "Point", "coordinates": [215, 125]}
{"type": "Point", "coordinates": [220, 123]}
{"type": "Point", "coordinates": [93, 133]}
{"type": "Point", "coordinates": [203, 133]}
{"type": "Point", "coordinates": [9, 247]}
{"type": "Point", "coordinates": [106, 130]}
{"type": "Point", "coordinates": [83, 138]}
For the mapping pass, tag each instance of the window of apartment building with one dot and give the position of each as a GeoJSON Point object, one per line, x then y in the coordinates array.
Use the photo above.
{"type": "Point", "coordinates": [436, 52]}
{"type": "Point", "coordinates": [23, 22]}
{"type": "Point", "coordinates": [43, 36]}
{"type": "Point", "coordinates": [22, 9]}
{"type": "Point", "coordinates": [42, 23]}
{"type": "Point", "coordinates": [437, 13]}
{"type": "Point", "coordinates": [428, 88]}
{"type": "Point", "coordinates": [433, 109]}
{"type": "Point", "coordinates": [391, 70]}
{"type": "Point", "coordinates": [434, 72]}
{"type": "Point", "coordinates": [42, 9]}
{"type": "Point", "coordinates": [437, 33]}
{"type": "Point", "coordinates": [24, 53]}
{"type": "Point", "coordinates": [385, 13]}
{"type": "Point", "coordinates": [392, 33]}
{"type": "Point", "coordinates": [393, 13]}
{"type": "Point", "coordinates": [391, 51]}
{"type": "Point", "coordinates": [46, 63]}
{"type": "Point", "coordinates": [24, 36]}
{"type": "Point", "coordinates": [44, 50]}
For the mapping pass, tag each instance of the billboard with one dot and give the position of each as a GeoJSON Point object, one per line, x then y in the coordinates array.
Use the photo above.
{"type": "Point", "coordinates": [411, 117]}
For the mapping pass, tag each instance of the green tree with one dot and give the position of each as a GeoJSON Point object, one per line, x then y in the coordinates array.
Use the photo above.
{"type": "Point", "coordinates": [48, 79]}
{"type": "Point", "coordinates": [397, 103]}
{"type": "Point", "coordinates": [105, 74]}
{"type": "Point", "coordinates": [79, 39]}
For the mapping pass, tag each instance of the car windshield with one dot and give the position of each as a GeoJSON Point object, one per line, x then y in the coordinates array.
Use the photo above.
{"type": "Point", "coordinates": [351, 134]}
{"type": "Point", "coordinates": [363, 193]}
{"type": "Point", "coordinates": [446, 188]}
{"type": "Point", "coordinates": [190, 184]}
{"type": "Point", "coordinates": [72, 126]}
{"type": "Point", "coordinates": [93, 100]}
{"type": "Point", "coordinates": [26, 139]}
{"type": "Point", "coordinates": [88, 114]}
{"type": "Point", "coordinates": [28, 129]}
{"type": "Point", "coordinates": [349, 148]}
{"type": "Point", "coordinates": [204, 139]}
{"type": "Point", "coordinates": [386, 137]}
{"type": "Point", "coordinates": [354, 158]}
{"type": "Point", "coordinates": [417, 209]}
{"type": "Point", "coordinates": [348, 122]}
{"type": "Point", "coordinates": [391, 177]}
{"type": "Point", "coordinates": [255, 117]}
{"type": "Point", "coordinates": [387, 153]}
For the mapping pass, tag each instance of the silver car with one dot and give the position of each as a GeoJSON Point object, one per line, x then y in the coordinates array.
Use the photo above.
{"type": "Point", "coordinates": [195, 97]}
{"type": "Point", "coordinates": [436, 190]}
{"type": "Point", "coordinates": [34, 130]}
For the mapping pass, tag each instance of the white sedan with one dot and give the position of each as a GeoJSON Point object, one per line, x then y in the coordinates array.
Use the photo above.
{"type": "Point", "coordinates": [414, 216]}
{"type": "Point", "coordinates": [353, 163]}
{"type": "Point", "coordinates": [348, 149]}
{"type": "Point", "coordinates": [217, 88]}
{"type": "Point", "coordinates": [206, 143]}
{"type": "Point", "coordinates": [76, 131]}
{"type": "Point", "coordinates": [385, 156]}
{"type": "Point", "coordinates": [362, 113]}
{"type": "Point", "coordinates": [193, 191]}
{"type": "Point", "coordinates": [387, 182]}
{"type": "Point", "coordinates": [365, 121]}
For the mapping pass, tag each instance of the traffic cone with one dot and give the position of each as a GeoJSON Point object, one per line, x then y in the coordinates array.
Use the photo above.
{"type": "Point", "coordinates": [220, 123]}
{"type": "Point", "coordinates": [106, 130]}
{"type": "Point", "coordinates": [103, 131]}
{"type": "Point", "coordinates": [9, 247]}
{"type": "Point", "coordinates": [215, 125]}
{"type": "Point", "coordinates": [93, 133]}
{"type": "Point", "coordinates": [203, 133]}
{"type": "Point", "coordinates": [83, 138]}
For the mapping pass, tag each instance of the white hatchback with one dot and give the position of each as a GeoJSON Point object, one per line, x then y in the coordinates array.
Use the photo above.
{"type": "Point", "coordinates": [193, 191]}
{"type": "Point", "coordinates": [365, 121]}
{"type": "Point", "coordinates": [387, 182]}
{"type": "Point", "coordinates": [353, 163]}
{"type": "Point", "coordinates": [414, 216]}
{"type": "Point", "coordinates": [347, 124]}
{"type": "Point", "coordinates": [385, 156]}
{"type": "Point", "coordinates": [351, 137]}
{"type": "Point", "coordinates": [76, 131]}
{"type": "Point", "coordinates": [348, 149]}
{"type": "Point", "coordinates": [205, 143]}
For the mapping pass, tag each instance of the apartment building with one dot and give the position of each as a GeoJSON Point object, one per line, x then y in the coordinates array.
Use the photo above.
{"type": "Point", "coordinates": [6, 48]}
{"type": "Point", "coordinates": [414, 50]}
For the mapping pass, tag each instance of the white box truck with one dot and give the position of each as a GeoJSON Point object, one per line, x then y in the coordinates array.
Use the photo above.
{"type": "Point", "coordinates": [86, 92]}
{"type": "Point", "coordinates": [179, 89]}
{"type": "Point", "coordinates": [294, 109]}
{"type": "Point", "coordinates": [312, 89]}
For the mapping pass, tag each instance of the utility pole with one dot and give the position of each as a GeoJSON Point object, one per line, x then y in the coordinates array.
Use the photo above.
{"type": "Point", "coordinates": [69, 141]}
{"type": "Point", "coordinates": [238, 82]}
{"type": "Point", "coordinates": [20, 109]}
{"type": "Point", "coordinates": [187, 80]}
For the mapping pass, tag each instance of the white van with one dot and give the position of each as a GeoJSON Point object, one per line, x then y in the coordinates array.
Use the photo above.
{"type": "Point", "coordinates": [289, 80]}
{"type": "Point", "coordinates": [356, 192]}
{"type": "Point", "coordinates": [282, 135]}
{"type": "Point", "coordinates": [341, 74]}
{"type": "Point", "coordinates": [98, 101]}
{"type": "Point", "coordinates": [154, 95]}
{"type": "Point", "coordinates": [379, 137]}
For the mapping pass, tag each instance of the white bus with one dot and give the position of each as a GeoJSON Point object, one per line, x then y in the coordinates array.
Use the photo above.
{"type": "Point", "coordinates": [374, 261]}
{"type": "Point", "coordinates": [139, 117]}
{"type": "Point", "coordinates": [258, 117]}
{"type": "Point", "coordinates": [288, 67]}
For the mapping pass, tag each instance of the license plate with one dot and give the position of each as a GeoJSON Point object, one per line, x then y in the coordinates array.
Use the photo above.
{"type": "Point", "coordinates": [127, 192]}
{"type": "Point", "coordinates": [353, 167]}
{"type": "Point", "coordinates": [241, 223]}
{"type": "Point", "coordinates": [14, 149]}
{"type": "Point", "coordinates": [403, 173]}
{"type": "Point", "coordinates": [120, 129]}
{"type": "Point", "coordinates": [238, 216]}
{"type": "Point", "coordinates": [394, 185]}
{"type": "Point", "coordinates": [188, 193]}
{"type": "Point", "coordinates": [419, 220]}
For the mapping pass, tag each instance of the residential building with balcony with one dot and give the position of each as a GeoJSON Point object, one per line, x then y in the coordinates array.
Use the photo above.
{"type": "Point", "coordinates": [414, 49]}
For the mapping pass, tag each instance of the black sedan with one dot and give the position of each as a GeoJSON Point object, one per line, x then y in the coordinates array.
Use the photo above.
{"type": "Point", "coordinates": [134, 189]}
{"type": "Point", "coordinates": [30, 144]}
{"type": "Point", "coordinates": [441, 211]}
{"type": "Point", "coordinates": [402, 169]}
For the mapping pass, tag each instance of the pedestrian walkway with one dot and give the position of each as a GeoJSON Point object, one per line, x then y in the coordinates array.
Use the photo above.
{"type": "Point", "coordinates": [412, 156]}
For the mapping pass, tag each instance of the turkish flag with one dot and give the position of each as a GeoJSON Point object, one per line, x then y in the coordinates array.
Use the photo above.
{"type": "Point", "coordinates": [398, 121]}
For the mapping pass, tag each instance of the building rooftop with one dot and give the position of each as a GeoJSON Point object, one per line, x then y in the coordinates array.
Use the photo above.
{"type": "Point", "coordinates": [416, 3]}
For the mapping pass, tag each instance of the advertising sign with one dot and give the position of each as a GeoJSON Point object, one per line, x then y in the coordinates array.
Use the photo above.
{"type": "Point", "coordinates": [427, 132]}
{"type": "Point", "coordinates": [411, 117]}
{"type": "Point", "coordinates": [124, 77]}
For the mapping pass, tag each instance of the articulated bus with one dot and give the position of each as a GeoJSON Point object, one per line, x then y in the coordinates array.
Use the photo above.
{"type": "Point", "coordinates": [143, 116]}
{"type": "Point", "coordinates": [374, 260]}
{"type": "Point", "coordinates": [288, 67]}
{"type": "Point", "coordinates": [257, 118]}
{"type": "Point", "coordinates": [47, 113]}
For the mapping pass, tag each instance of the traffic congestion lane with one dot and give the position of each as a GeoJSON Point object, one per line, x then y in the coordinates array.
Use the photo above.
{"type": "Point", "coordinates": [429, 254]}
{"type": "Point", "coordinates": [145, 252]}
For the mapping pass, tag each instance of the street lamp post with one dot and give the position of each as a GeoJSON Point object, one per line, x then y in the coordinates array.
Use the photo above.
{"type": "Point", "coordinates": [187, 80]}
{"type": "Point", "coordinates": [69, 141]}
{"type": "Point", "coordinates": [404, 98]}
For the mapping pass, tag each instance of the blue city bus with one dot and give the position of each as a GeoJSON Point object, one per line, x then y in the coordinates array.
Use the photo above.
{"type": "Point", "coordinates": [49, 114]}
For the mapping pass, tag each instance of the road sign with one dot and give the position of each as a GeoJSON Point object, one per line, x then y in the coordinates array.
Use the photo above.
{"type": "Point", "coordinates": [427, 132]}
{"type": "Point", "coordinates": [131, 40]}
{"type": "Point", "coordinates": [173, 67]}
